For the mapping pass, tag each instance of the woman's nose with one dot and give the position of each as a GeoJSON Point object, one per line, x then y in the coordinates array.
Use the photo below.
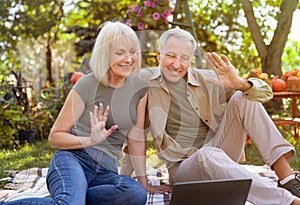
{"type": "Point", "coordinates": [128, 58]}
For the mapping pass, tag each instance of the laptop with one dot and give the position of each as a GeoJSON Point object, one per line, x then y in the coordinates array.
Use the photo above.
{"type": "Point", "coordinates": [212, 192]}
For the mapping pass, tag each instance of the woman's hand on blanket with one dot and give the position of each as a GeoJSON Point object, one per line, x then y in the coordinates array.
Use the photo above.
{"type": "Point", "coordinates": [162, 189]}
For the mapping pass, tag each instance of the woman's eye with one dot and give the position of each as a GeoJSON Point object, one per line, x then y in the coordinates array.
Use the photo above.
{"type": "Point", "coordinates": [132, 52]}
{"type": "Point", "coordinates": [119, 53]}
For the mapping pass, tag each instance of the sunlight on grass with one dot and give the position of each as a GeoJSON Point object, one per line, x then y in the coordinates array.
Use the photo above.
{"type": "Point", "coordinates": [253, 157]}
{"type": "Point", "coordinates": [37, 155]}
{"type": "Point", "coordinates": [152, 158]}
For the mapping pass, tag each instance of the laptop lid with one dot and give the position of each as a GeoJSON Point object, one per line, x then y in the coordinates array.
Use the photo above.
{"type": "Point", "coordinates": [212, 192]}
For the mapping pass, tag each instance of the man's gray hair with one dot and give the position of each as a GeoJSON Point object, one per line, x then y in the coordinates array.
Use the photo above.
{"type": "Point", "coordinates": [178, 33]}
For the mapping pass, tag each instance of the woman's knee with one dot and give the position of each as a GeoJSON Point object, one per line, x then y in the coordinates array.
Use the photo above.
{"type": "Point", "coordinates": [135, 192]}
{"type": "Point", "coordinates": [125, 191]}
{"type": "Point", "coordinates": [66, 180]}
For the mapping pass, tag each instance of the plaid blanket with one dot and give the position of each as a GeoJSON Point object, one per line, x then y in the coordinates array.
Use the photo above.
{"type": "Point", "coordinates": [32, 183]}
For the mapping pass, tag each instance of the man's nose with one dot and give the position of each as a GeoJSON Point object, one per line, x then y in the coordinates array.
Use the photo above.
{"type": "Point", "coordinates": [177, 63]}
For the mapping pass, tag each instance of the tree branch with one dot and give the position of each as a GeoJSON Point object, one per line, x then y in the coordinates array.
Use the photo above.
{"type": "Point", "coordinates": [254, 28]}
{"type": "Point", "coordinates": [284, 24]}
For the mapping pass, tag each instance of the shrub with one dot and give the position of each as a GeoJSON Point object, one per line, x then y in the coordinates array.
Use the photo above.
{"type": "Point", "coordinates": [24, 118]}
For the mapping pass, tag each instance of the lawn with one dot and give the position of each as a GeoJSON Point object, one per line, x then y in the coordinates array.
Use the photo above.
{"type": "Point", "coordinates": [39, 155]}
{"type": "Point", "coordinates": [253, 156]}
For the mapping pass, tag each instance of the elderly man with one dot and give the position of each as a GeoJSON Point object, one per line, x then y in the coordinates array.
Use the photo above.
{"type": "Point", "coordinates": [199, 120]}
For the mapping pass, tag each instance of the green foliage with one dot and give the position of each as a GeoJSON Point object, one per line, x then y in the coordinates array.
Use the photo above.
{"type": "Point", "coordinates": [13, 113]}
{"type": "Point", "coordinates": [220, 26]}
{"type": "Point", "coordinates": [291, 57]}
{"type": "Point", "coordinates": [38, 17]}
{"type": "Point", "coordinates": [50, 103]}
{"type": "Point", "coordinates": [16, 120]}
{"type": "Point", "coordinates": [7, 134]}
{"type": "Point", "coordinates": [254, 158]}
{"type": "Point", "coordinates": [219, 29]}
{"type": "Point", "coordinates": [28, 18]}
{"type": "Point", "coordinates": [226, 30]}
{"type": "Point", "coordinates": [87, 17]}
{"type": "Point", "coordinates": [28, 119]}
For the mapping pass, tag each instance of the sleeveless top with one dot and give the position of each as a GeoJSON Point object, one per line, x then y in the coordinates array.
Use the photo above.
{"type": "Point", "coordinates": [123, 103]}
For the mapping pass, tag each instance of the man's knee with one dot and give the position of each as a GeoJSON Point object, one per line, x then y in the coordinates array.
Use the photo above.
{"type": "Point", "coordinates": [213, 159]}
{"type": "Point", "coordinates": [208, 153]}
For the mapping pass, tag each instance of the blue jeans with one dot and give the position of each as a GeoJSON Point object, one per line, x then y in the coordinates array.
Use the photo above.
{"type": "Point", "coordinates": [78, 178]}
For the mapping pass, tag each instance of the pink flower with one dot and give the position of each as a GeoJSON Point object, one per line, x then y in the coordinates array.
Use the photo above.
{"type": "Point", "coordinates": [166, 13]}
{"type": "Point", "coordinates": [128, 10]}
{"type": "Point", "coordinates": [152, 4]}
{"type": "Point", "coordinates": [156, 16]}
{"type": "Point", "coordinates": [147, 3]}
{"type": "Point", "coordinates": [127, 22]}
{"type": "Point", "coordinates": [135, 8]}
{"type": "Point", "coordinates": [140, 26]}
{"type": "Point", "coordinates": [139, 13]}
{"type": "Point", "coordinates": [166, 20]}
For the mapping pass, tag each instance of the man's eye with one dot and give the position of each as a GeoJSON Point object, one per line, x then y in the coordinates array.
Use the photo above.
{"type": "Point", "coordinates": [171, 56]}
{"type": "Point", "coordinates": [185, 58]}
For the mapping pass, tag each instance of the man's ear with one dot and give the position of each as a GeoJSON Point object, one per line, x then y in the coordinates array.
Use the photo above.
{"type": "Point", "coordinates": [158, 55]}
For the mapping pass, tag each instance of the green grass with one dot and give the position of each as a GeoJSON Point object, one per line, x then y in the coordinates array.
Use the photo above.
{"type": "Point", "coordinates": [253, 156]}
{"type": "Point", "coordinates": [40, 154]}
{"type": "Point", "coordinates": [37, 155]}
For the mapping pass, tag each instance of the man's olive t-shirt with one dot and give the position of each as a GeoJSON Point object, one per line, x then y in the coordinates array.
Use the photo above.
{"type": "Point", "coordinates": [123, 103]}
{"type": "Point", "coordinates": [183, 124]}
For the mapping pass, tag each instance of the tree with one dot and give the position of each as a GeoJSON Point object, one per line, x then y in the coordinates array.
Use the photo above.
{"type": "Point", "coordinates": [217, 24]}
{"type": "Point", "coordinates": [271, 54]}
{"type": "Point", "coordinates": [145, 17]}
{"type": "Point", "coordinates": [218, 27]}
{"type": "Point", "coordinates": [85, 18]}
{"type": "Point", "coordinates": [27, 19]}
{"type": "Point", "coordinates": [230, 27]}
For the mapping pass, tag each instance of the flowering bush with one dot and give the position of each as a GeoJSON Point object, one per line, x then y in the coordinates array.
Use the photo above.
{"type": "Point", "coordinates": [151, 15]}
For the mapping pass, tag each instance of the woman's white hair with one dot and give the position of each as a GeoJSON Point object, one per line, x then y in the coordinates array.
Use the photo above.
{"type": "Point", "coordinates": [112, 32]}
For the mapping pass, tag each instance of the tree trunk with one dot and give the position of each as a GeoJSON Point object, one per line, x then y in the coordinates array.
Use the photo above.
{"type": "Point", "coordinates": [271, 63]}
{"type": "Point", "coordinates": [48, 61]}
{"type": "Point", "coordinates": [270, 55]}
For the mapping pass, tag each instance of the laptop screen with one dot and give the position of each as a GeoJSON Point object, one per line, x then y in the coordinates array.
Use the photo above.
{"type": "Point", "coordinates": [212, 192]}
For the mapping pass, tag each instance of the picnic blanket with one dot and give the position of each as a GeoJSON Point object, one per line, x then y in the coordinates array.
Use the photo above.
{"type": "Point", "coordinates": [32, 183]}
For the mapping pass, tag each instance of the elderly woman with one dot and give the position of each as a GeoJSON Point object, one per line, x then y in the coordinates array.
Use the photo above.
{"type": "Point", "coordinates": [103, 109]}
